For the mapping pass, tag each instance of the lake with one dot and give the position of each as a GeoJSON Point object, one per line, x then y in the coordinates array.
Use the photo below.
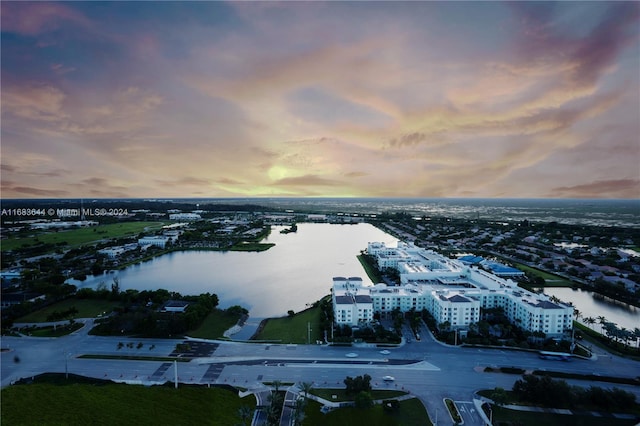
{"type": "Point", "coordinates": [296, 271]}
{"type": "Point", "coordinates": [622, 314]}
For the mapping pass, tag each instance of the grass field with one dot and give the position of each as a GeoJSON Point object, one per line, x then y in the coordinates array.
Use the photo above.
{"type": "Point", "coordinates": [341, 394]}
{"type": "Point", "coordinates": [78, 237]}
{"type": "Point", "coordinates": [119, 404]}
{"type": "Point", "coordinates": [61, 330]}
{"type": "Point", "coordinates": [252, 246]}
{"type": "Point", "coordinates": [293, 330]}
{"type": "Point", "coordinates": [551, 280]}
{"type": "Point", "coordinates": [411, 412]}
{"type": "Point", "coordinates": [214, 325]}
{"type": "Point", "coordinates": [504, 416]}
{"type": "Point", "coordinates": [87, 308]}
{"type": "Point", "coordinates": [372, 273]}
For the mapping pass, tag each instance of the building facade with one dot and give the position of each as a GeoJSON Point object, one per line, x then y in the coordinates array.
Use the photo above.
{"type": "Point", "coordinates": [352, 303]}
{"type": "Point", "coordinates": [452, 292]}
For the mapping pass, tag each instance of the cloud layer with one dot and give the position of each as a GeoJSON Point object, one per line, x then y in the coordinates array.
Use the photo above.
{"type": "Point", "coordinates": [320, 99]}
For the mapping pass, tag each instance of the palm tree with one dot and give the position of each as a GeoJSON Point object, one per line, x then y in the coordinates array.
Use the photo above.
{"type": "Point", "coordinates": [611, 330]}
{"type": "Point", "coordinates": [298, 411]}
{"type": "Point", "coordinates": [306, 388]}
{"type": "Point", "coordinates": [276, 385]}
{"type": "Point", "coordinates": [590, 321]}
{"type": "Point", "coordinates": [602, 320]}
{"type": "Point", "coordinates": [624, 334]}
{"type": "Point", "coordinates": [577, 314]}
{"type": "Point", "coordinates": [275, 401]}
{"type": "Point", "coordinates": [246, 413]}
{"type": "Point", "coordinates": [636, 335]}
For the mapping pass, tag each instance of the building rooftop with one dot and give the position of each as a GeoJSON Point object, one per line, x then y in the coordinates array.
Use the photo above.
{"type": "Point", "coordinates": [344, 300]}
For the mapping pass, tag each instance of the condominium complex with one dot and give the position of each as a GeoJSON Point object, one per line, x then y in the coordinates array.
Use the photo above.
{"type": "Point", "coordinates": [454, 293]}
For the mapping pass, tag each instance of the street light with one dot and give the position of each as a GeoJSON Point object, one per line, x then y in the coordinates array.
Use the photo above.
{"type": "Point", "coordinates": [65, 354]}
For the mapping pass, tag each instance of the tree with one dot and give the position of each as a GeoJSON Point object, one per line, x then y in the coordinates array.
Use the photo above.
{"type": "Point", "coordinates": [291, 313]}
{"type": "Point", "coordinates": [306, 388]}
{"type": "Point", "coordinates": [445, 326]}
{"type": "Point", "coordinates": [246, 413]}
{"type": "Point", "coordinates": [298, 411]}
{"type": "Point", "coordinates": [602, 320]}
{"type": "Point", "coordinates": [363, 400]}
{"type": "Point", "coordinates": [274, 409]}
{"type": "Point", "coordinates": [500, 396]}
{"type": "Point", "coordinates": [590, 321]}
{"type": "Point", "coordinates": [636, 335]}
{"type": "Point", "coordinates": [115, 287]}
{"type": "Point", "coordinates": [357, 384]}
{"type": "Point", "coordinates": [577, 314]}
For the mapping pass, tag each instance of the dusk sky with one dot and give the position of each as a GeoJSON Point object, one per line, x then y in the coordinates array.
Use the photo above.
{"type": "Point", "coordinates": [359, 99]}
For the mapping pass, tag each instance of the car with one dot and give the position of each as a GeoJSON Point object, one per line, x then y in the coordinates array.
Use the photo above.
{"type": "Point", "coordinates": [388, 378]}
{"type": "Point", "coordinates": [351, 355]}
{"type": "Point", "coordinates": [385, 352]}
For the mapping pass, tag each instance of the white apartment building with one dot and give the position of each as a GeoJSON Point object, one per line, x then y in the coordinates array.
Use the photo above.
{"type": "Point", "coordinates": [114, 252]}
{"type": "Point", "coordinates": [352, 303]}
{"type": "Point", "coordinates": [451, 291]}
{"type": "Point", "coordinates": [184, 216]}
{"type": "Point", "coordinates": [154, 240]}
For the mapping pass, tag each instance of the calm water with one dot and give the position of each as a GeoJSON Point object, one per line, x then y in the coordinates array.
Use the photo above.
{"type": "Point", "coordinates": [297, 271]}
{"type": "Point", "coordinates": [623, 315]}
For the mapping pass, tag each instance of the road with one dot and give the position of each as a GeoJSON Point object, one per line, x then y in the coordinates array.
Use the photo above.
{"type": "Point", "coordinates": [427, 369]}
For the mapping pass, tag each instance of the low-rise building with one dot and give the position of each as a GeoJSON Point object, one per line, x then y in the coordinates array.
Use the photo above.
{"type": "Point", "coordinates": [185, 216]}
{"type": "Point", "coordinates": [175, 306]}
{"type": "Point", "coordinates": [154, 240]}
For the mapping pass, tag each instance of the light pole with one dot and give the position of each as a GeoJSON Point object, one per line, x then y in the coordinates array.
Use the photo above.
{"type": "Point", "coordinates": [65, 354]}
{"type": "Point", "coordinates": [175, 364]}
{"type": "Point", "coordinates": [308, 332]}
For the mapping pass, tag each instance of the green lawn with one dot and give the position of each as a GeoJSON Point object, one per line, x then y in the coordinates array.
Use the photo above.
{"type": "Point", "coordinates": [87, 308]}
{"type": "Point", "coordinates": [551, 280]}
{"type": "Point", "coordinates": [341, 394]}
{"type": "Point", "coordinates": [61, 330]}
{"type": "Point", "coordinates": [293, 330]}
{"type": "Point", "coordinates": [118, 404]}
{"type": "Point", "coordinates": [503, 416]}
{"type": "Point", "coordinates": [411, 412]}
{"type": "Point", "coordinates": [215, 324]}
{"type": "Point", "coordinates": [372, 273]}
{"type": "Point", "coordinates": [251, 246]}
{"type": "Point", "coordinates": [78, 237]}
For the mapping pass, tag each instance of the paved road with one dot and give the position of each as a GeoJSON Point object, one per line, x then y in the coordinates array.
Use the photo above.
{"type": "Point", "coordinates": [429, 370]}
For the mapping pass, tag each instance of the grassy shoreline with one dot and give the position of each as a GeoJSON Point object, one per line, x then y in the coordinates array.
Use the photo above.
{"type": "Point", "coordinates": [292, 329]}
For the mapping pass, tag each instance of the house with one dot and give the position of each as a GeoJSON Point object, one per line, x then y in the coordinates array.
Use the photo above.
{"type": "Point", "coordinates": [175, 306]}
{"type": "Point", "coordinates": [11, 299]}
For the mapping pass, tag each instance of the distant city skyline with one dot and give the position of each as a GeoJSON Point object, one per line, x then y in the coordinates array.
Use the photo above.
{"type": "Point", "coordinates": [312, 99]}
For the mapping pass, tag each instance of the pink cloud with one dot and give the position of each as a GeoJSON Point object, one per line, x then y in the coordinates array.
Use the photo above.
{"type": "Point", "coordinates": [38, 17]}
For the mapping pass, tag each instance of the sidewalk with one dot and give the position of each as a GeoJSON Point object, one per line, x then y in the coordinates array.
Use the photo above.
{"type": "Point", "coordinates": [479, 400]}
{"type": "Point", "coordinates": [245, 331]}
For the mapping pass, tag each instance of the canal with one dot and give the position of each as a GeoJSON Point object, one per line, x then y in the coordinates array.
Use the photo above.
{"type": "Point", "coordinates": [593, 305]}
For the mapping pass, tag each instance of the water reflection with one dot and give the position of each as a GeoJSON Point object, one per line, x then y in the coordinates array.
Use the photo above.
{"type": "Point", "coordinates": [297, 271]}
{"type": "Point", "coordinates": [593, 305]}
